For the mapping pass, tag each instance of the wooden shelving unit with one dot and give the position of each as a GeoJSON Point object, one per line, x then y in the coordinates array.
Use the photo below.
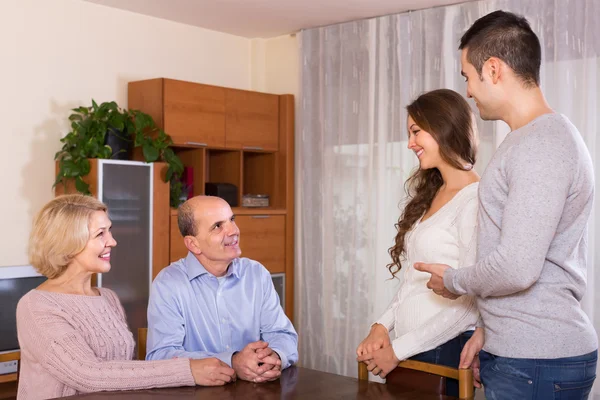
{"type": "Point", "coordinates": [8, 382]}
{"type": "Point", "coordinates": [239, 137]}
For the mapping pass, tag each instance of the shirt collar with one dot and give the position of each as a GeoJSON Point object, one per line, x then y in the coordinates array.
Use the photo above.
{"type": "Point", "coordinates": [195, 269]}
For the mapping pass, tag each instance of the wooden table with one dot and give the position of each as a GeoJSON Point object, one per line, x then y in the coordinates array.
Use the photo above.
{"type": "Point", "coordinates": [295, 383]}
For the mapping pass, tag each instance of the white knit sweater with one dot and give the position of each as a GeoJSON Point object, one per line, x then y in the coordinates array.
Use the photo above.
{"type": "Point", "coordinates": [420, 319]}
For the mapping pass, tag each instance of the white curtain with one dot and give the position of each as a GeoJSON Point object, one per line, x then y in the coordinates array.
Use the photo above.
{"type": "Point", "coordinates": [352, 160]}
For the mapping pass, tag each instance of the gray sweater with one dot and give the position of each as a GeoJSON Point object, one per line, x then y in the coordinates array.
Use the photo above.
{"type": "Point", "coordinates": [535, 199]}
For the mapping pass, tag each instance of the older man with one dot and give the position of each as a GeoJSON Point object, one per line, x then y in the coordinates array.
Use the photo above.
{"type": "Point", "coordinates": [214, 304]}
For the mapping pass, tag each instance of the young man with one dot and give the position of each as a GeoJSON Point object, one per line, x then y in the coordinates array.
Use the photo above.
{"type": "Point", "coordinates": [535, 200]}
{"type": "Point", "coordinates": [214, 304]}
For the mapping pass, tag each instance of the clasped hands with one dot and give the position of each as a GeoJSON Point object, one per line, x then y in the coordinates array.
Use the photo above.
{"type": "Point", "coordinates": [376, 351]}
{"type": "Point", "coordinates": [378, 354]}
{"type": "Point", "coordinates": [257, 362]}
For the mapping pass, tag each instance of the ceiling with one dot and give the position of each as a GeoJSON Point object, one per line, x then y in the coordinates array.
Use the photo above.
{"type": "Point", "coordinates": [268, 18]}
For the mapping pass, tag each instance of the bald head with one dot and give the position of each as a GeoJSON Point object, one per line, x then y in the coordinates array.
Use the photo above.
{"type": "Point", "coordinates": [195, 210]}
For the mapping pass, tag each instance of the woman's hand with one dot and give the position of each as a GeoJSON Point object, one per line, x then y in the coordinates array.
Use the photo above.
{"type": "Point", "coordinates": [211, 372]}
{"type": "Point", "coordinates": [380, 362]}
{"type": "Point", "coordinates": [378, 338]}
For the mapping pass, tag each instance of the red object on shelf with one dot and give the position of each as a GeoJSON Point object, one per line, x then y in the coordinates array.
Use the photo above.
{"type": "Point", "coordinates": [188, 181]}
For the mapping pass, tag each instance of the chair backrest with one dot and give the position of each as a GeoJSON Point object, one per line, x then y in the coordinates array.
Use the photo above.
{"type": "Point", "coordinates": [427, 377]}
{"type": "Point", "coordinates": [142, 338]}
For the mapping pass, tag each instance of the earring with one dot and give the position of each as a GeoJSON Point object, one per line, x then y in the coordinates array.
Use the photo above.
{"type": "Point", "coordinates": [468, 167]}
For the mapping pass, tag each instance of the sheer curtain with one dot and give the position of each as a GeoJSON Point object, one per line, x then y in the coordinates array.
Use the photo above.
{"type": "Point", "coordinates": [356, 79]}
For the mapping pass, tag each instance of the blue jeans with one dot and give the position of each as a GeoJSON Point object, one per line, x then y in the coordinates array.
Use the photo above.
{"type": "Point", "coordinates": [447, 354]}
{"type": "Point", "coordinates": [569, 378]}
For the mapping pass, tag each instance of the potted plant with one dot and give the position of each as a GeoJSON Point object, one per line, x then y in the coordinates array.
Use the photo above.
{"type": "Point", "coordinates": [107, 131]}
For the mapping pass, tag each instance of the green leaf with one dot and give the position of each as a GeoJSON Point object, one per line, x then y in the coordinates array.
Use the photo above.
{"type": "Point", "coordinates": [139, 122]}
{"type": "Point", "coordinates": [85, 167]}
{"type": "Point", "coordinates": [150, 153]}
{"type": "Point", "coordinates": [81, 186]}
{"type": "Point", "coordinates": [106, 151]}
{"type": "Point", "coordinates": [169, 174]}
{"type": "Point", "coordinates": [118, 124]}
{"type": "Point", "coordinates": [175, 194]}
{"type": "Point", "coordinates": [81, 110]}
{"type": "Point", "coordinates": [60, 174]}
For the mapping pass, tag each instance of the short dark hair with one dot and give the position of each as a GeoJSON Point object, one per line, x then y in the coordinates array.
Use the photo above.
{"type": "Point", "coordinates": [185, 220]}
{"type": "Point", "coordinates": [508, 37]}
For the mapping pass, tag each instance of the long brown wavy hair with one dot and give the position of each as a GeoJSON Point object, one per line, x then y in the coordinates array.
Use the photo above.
{"type": "Point", "coordinates": [447, 117]}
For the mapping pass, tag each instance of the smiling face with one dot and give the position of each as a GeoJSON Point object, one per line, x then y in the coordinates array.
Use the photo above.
{"type": "Point", "coordinates": [482, 89]}
{"type": "Point", "coordinates": [95, 257]}
{"type": "Point", "coordinates": [216, 243]}
{"type": "Point", "coordinates": [424, 145]}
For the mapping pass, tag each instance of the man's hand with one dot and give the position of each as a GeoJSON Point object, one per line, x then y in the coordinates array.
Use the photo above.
{"type": "Point", "coordinates": [269, 370]}
{"type": "Point", "coordinates": [469, 356]}
{"type": "Point", "coordinates": [436, 282]}
{"type": "Point", "coordinates": [246, 363]}
{"type": "Point", "coordinates": [211, 372]}
{"type": "Point", "coordinates": [380, 362]}
{"type": "Point", "coordinates": [378, 338]}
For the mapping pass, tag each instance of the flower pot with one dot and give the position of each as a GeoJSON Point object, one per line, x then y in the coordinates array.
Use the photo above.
{"type": "Point", "coordinates": [121, 144]}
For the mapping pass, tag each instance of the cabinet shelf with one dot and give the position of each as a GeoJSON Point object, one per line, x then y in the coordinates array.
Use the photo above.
{"type": "Point", "coordinates": [249, 211]}
{"type": "Point", "coordinates": [8, 378]}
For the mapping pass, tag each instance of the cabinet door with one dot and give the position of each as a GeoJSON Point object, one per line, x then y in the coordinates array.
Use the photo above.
{"type": "Point", "coordinates": [194, 114]}
{"type": "Point", "coordinates": [177, 248]}
{"type": "Point", "coordinates": [262, 238]}
{"type": "Point", "coordinates": [127, 190]}
{"type": "Point", "coordinates": [252, 120]}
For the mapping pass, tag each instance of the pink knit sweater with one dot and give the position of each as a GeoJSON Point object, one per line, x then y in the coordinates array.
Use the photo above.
{"type": "Point", "coordinates": [75, 344]}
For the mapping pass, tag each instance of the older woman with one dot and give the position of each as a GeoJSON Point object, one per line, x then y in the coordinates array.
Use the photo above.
{"type": "Point", "coordinates": [74, 337]}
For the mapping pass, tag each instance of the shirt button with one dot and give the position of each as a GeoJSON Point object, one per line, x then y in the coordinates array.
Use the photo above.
{"type": "Point", "coordinates": [227, 347]}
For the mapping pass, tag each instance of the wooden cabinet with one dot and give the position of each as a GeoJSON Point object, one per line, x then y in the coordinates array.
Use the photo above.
{"type": "Point", "coordinates": [262, 238]}
{"type": "Point", "coordinates": [8, 382]}
{"type": "Point", "coordinates": [193, 114]}
{"type": "Point", "coordinates": [251, 120]}
{"type": "Point", "coordinates": [197, 115]}
{"type": "Point", "coordinates": [177, 247]}
{"type": "Point", "coordinates": [246, 139]}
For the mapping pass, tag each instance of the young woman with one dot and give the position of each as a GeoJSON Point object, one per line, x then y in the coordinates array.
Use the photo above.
{"type": "Point", "coordinates": [74, 337]}
{"type": "Point", "coordinates": [438, 223]}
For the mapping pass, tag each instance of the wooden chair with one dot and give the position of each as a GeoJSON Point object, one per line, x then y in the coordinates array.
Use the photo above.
{"type": "Point", "coordinates": [142, 338]}
{"type": "Point", "coordinates": [427, 377]}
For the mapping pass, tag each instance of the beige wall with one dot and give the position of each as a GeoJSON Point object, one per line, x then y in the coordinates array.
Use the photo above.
{"type": "Point", "coordinates": [275, 66]}
{"type": "Point", "coordinates": [58, 54]}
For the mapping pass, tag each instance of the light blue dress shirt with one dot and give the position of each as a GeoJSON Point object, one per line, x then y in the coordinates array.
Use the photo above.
{"type": "Point", "coordinates": [190, 315]}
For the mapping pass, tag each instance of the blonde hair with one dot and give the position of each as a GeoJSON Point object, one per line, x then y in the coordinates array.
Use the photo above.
{"type": "Point", "coordinates": [60, 232]}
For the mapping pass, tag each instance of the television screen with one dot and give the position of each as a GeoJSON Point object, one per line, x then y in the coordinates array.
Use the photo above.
{"type": "Point", "coordinates": [11, 291]}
